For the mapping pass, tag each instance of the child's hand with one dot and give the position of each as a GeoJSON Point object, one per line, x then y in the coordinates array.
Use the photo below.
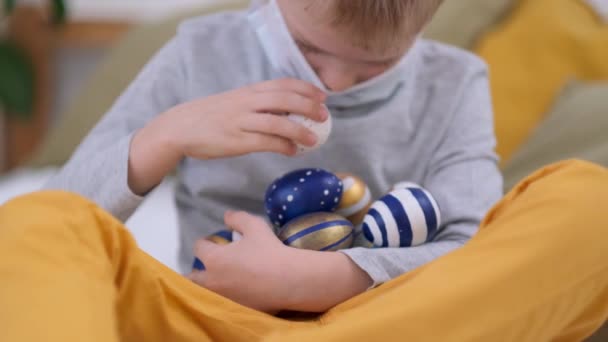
{"type": "Point", "coordinates": [260, 272]}
{"type": "Point", "coordinates": [245, 121]}
{"type": "Point", "coordinates": [253, 271]}
{"type": "Point", "coordinates": [234, 123]}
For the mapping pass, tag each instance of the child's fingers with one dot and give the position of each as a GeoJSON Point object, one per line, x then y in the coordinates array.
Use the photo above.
{"type": "Point", "coordinates": [204, 250]}
{"type": "Point", "coordinates": [279, 126]}
{"type": "Point", "coordinates": [199, 278]}
{"type": "Point", "coordinates": [282, 101]}
{"type": "Point", "coordinates": [261, 142]}
{"type": "Point", "coordinates": [291, 84]}
{"type": "Point", "coordinates": [245, 223]}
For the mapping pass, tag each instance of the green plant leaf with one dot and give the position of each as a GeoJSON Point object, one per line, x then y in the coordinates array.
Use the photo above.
{"type": "Point", "coordinates": [58, 7]}
{"type": "Point", "coordinates": [17, 81]}
{"type": "Point", "coordinates": [9, 5]}
{"type": "Point", "coordinates": [59, 11]}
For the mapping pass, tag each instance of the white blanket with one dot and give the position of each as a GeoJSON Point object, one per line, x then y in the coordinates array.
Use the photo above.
{"type": "Point", "coordinates": [154, 225]}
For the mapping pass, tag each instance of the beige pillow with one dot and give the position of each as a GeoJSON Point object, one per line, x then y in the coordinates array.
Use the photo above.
{"type": "Point", "coordinates": [577, 127]}
{"type": "Point", "coordinates": [462, 22]}
{"type": "Point", "coordinates": [109, 80]}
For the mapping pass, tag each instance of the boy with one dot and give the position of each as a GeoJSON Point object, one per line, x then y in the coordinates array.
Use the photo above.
{"type": "Point", "coordinates": [403, 109]}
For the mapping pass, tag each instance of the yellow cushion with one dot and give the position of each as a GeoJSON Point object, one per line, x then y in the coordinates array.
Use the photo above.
{"type": "Point", "coordinates": [575, 128]}
{"type": "Point", "coordinates": [533, 54]}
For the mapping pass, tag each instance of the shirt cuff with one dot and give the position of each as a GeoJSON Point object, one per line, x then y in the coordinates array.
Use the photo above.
{"type": "Point", "coordinates": [361, 257]}
{"type": "Point", "coordinates": [116, 196]}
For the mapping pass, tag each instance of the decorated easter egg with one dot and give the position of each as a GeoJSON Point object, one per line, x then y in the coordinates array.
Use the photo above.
{"type": "Point", "coordinates": [319, 232]}
{"type": "Point", "coordinates": [198, 264]}
{"type": "Point", "coordinates": [361, 241]}
{"type": "Point", "coordinates": [405, 185]}
{"type": "Point", "coordinates": [356, 198]}
{"type": "Point", "coordinates": [223, 237]}
{"type": "Point", "coordinates": [321, 129]}
{"type": "Point", "coordinates": [407, 216]}
{"type": "Point", "coordinates": [302, 192]}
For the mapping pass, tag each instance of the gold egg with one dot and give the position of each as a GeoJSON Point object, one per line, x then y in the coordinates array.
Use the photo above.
{"type": "Point", "coordinates": [223, 237]}
{"type": "Point", "coordinates": [319, 232]}
{"type": "Point", "coordinates": [356, 198]}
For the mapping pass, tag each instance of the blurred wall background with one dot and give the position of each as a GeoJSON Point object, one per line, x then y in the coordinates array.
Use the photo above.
{"type": "Point", "coordinates": [547, 62]}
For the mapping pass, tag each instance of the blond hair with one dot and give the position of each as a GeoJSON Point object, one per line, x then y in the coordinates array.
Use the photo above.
{"type": "Point", "coordinates": [382, 21]}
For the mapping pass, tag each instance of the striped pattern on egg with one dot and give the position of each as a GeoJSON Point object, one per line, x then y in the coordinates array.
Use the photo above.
{"type": "Point", "coordinates": [319, 232]}
{"type": "Point", "coordinates": [224, 237]}
{"type": "Point", "coordinates": [407, 216]}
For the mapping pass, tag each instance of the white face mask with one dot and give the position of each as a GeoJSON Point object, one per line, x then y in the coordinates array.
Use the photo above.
{"type": "Point", "coordinates": [287, 59]}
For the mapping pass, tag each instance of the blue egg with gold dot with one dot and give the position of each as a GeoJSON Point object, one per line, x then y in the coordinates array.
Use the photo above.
{"type": "Point", "coordinates": [222, 237]}
{"type": "Point", "coordinates": [319, 232]}
{"type": "Point", "coordinates": [302, 192]}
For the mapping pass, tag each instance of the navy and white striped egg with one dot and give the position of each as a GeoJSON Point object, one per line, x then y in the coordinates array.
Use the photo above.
{"type": "Point", "coordinates": [407, 216]}
{"type": "Point", "coordinates": [222, 237]}
{"type": "Point", "coordinates": [302, 192]}
{"type": "Point", "coordinates": [319, 232]}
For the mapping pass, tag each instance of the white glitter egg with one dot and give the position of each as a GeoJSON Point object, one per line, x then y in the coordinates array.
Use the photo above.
{"type": "Point", "coordinates": [321, 129]}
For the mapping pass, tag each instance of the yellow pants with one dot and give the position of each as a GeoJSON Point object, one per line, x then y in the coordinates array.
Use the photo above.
{"type": "Point", "coordinates": [537, 271]}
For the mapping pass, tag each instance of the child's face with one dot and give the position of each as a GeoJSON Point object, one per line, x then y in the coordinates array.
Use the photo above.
{"type": "Point", "coordinates": [337, 59]}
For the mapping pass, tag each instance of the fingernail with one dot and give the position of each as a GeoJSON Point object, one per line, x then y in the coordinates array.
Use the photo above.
{"type": "Point", "coordinates": [293, 150]}
{"type": "Point", "coordinates": [311, 139]}
{"type": "Point", "coordinates": [198, 265]}
{"type": "Point", "coordinates": [324, 113]}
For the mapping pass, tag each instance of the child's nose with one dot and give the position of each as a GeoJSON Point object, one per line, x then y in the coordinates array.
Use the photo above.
{"type": "Point", "coordinates": [336, 78]}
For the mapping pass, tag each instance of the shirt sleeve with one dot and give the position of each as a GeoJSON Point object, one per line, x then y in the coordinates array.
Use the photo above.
{"type": "Point", "coordinates": [98, 169]}
{"type": "Point", "coordinates": [464, 179]}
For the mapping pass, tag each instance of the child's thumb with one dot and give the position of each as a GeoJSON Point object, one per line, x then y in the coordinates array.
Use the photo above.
{"type": "Point", "coordinates": [245, 224]}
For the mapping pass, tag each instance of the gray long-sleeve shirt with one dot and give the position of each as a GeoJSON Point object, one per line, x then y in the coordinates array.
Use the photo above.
{"type": "Point", "coordinates": [435, 130]}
